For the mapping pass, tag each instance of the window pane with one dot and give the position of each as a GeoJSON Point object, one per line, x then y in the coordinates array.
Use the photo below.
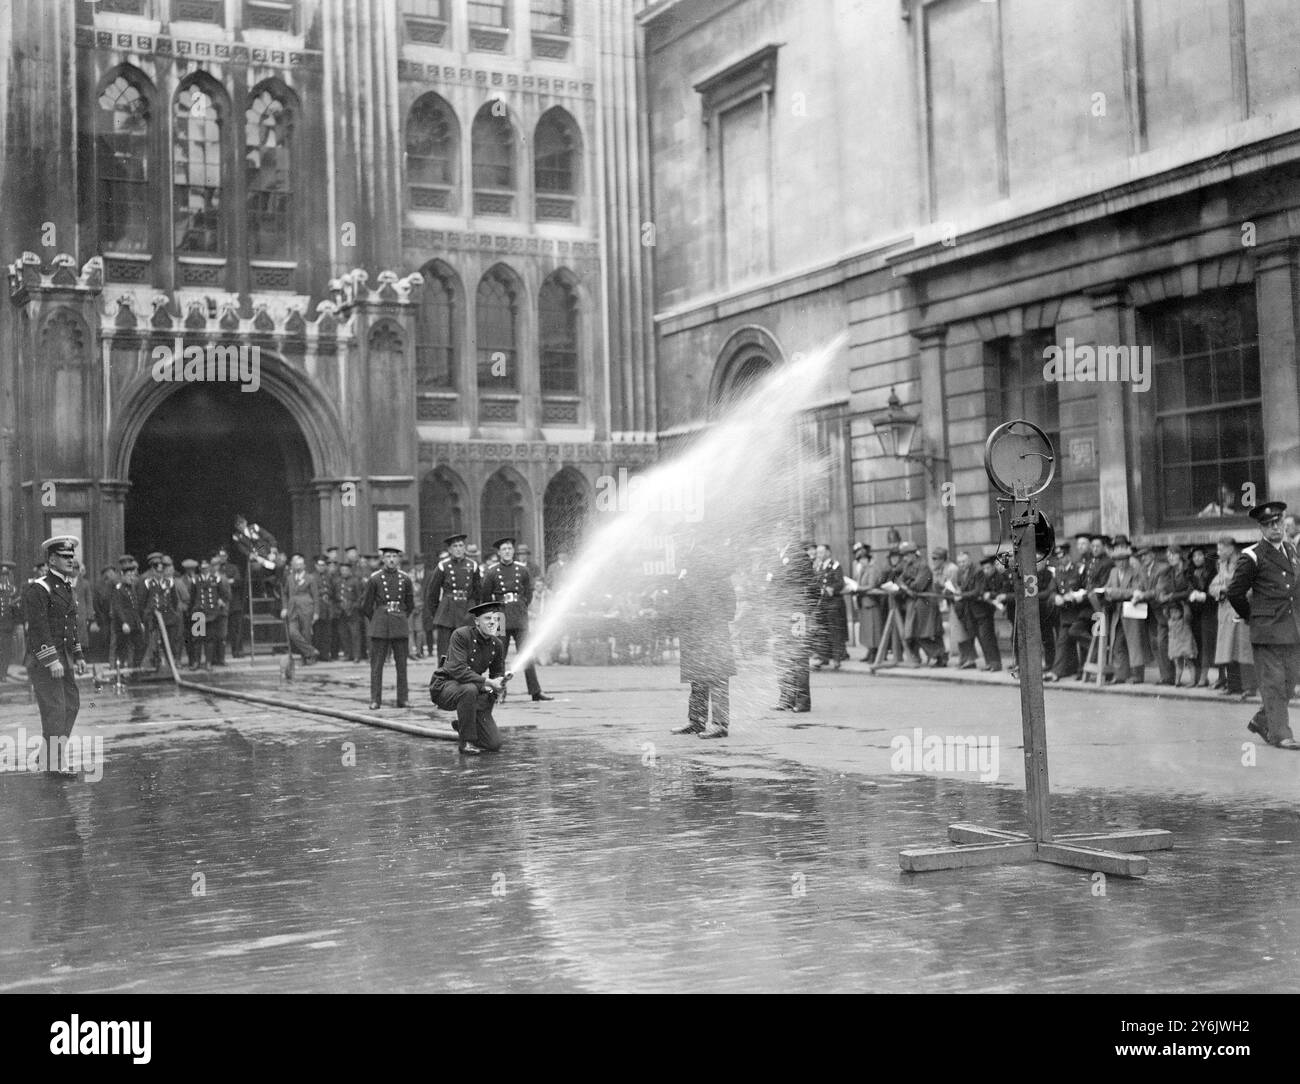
{"type": "Point", "coordinates": [497, 367]}
{"type": "Point", "coordinates": [1207, 398]}
{"type": "Point", "coordinates": [196, 172]}
{"type": "Point", "coordinates": [269, 177]}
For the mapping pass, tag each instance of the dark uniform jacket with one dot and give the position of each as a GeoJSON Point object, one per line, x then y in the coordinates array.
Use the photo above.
{"type": "Point", "coordinates": [794, 587]}
{"type": "Point", "coordinates": [158, 593]}
{"type": "Point", "coordinates": [351, 590]}
{"type": "Point", "coordinates": [126, 606]}
{"type": "Point", "coordinates": [511, 585]}
{"type": "Point", "coordinates": [1263, 591]}
{"type": "Point", "coordinates": [469, 654]}
{"type": "Point", "coordinates": [10, 607]}
{"type": "Point", "coordinates": [208, 594]}
{"type": "Point", "coordinates": [51, 610]}
{"type": "Point", "coordinates": [451, 591]}
{"type": "Point", "coordinates": [388, 604]}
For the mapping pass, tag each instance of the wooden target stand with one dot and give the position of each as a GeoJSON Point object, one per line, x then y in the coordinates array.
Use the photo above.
{"type": "Point", "coordinates": [1019, 460]}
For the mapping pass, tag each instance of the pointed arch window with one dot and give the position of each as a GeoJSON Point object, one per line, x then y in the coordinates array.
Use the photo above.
{"type": "Point", "coordinates": [122, 159]}
{"type": "Point", "coordinates": [493, 152]}
{"type": "Point", "coordinates": [557, 319]}
{"type": "Point", "coordinates": [498, 334]}
{"type": "Point", "coordinates": [269, 177]}
{"type": "Point", "coordinates": [556, 166]}
{"type": "Point", "coordinates": [432, 158]}
{"type": "Point", "coordinates": [435, 342]}
{"type": "Point", "coordinates": [196, 172]}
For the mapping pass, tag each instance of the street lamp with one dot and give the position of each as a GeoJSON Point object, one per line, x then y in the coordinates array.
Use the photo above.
{"type": "Point", "coordinates": [897, 430]}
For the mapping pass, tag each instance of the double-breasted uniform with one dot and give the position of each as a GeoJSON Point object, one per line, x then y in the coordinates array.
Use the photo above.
{"type": "Point", "coordinates": [128, 624]}
{"type": "Point", "coordinates": [509, 583]}
{"type": "Point", "coordinates": [50, 606]}
{"type": "Point", "coordinates": [158, 594]}
{"type": "Point", "coordinates": [450, 591]}
{"type": "Point", "coordinates": [388, 604]}
{"type": "Point", "coordinates": [210, 592]}
{"type": "Point", "coordinates": [1263, 591]}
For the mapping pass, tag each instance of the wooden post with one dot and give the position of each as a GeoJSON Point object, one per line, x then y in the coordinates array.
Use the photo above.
{"type": "Point", "coordinates": [1030, 661]}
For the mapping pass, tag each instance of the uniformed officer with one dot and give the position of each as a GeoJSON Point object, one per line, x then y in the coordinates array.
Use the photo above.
{"type": "Point", "coordinates": [1264, 591]}
{"type": "Point", "coordinates": [388, 604]}
{"type": "Point", "coordinates": [128, 638]}
{"type": "Point", "coordinates": [10, 614]}
{"type": "Point", "coordinates": [185, 591]}
{"type": "Point", "coordinates": [508, 583]}
{"type": "Point", "coordinates": [211, 594]}
{"type": "Point", "coordinates": [471, 679]}
{"type": "Point", "coordinates": [157, 594]}
{"type": "Point", "coordinates": [450, 592]}
{"type": "Point", "coordinates": [54, 655]}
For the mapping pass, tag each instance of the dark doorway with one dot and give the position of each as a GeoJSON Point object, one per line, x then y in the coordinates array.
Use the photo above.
{"type": "Point", "coordinates": [208, 453]}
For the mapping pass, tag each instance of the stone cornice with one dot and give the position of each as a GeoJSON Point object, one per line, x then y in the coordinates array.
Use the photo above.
{"type": "Point", "coordinates": [222, 52]}
{"type": "Point", "coordinates": [1100, 205]}
{"type": "Point", "coordinates": [486, 78]}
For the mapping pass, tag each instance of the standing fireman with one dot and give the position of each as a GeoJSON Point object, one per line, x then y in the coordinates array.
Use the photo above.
{"type": "Point", "coordinates": [509, 583]}
{"type": "Point", "coordinates": [450, 592]}
{"type": "Point", "coordinates": [388, 604]}
{"type": "Point", "coordinates": [1270, 572]}
{"type": "Point", "coordinates": [54, 655]}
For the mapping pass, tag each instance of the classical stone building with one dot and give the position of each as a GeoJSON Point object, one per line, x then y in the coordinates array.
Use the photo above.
{"type": "Point", "coordinates": [965, 185]}
{"type": "Point", "coordinates": [394, 247]}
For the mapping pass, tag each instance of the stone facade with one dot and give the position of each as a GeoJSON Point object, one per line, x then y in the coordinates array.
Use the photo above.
{"type": "Point", "coordinates": [965, 186]}
{"type": "Point", "coordinates": [348, 186]}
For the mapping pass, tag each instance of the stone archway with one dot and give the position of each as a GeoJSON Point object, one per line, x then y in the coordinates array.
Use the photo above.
{"type": "Point", "coordinates": [224, 451]}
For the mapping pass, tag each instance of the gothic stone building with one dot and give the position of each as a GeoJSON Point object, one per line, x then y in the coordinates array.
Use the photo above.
{"type": "Point", "coordinates": [415, 225]}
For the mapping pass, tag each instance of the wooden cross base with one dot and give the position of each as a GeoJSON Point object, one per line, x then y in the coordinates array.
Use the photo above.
{"type": "Point", "coordinates": [977, 846]}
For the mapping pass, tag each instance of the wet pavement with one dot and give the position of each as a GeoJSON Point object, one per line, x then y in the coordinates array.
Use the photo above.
{"type": "Point", "coordinates": [228, 847]}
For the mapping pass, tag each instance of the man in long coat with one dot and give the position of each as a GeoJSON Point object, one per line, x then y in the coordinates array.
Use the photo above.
{"type": "Point", "coordinates": [704, 605]}
{"type": "Point", "coordinates": [1128, 583]}
{"type": "Point", "coordinates": [921, 629]}
{"type": "Point", "coordinates": [1232, 652]}
{"type": "Point", "coordinates": [793, 592]}
{"type": "Point", "coordinates": [1264, 591]}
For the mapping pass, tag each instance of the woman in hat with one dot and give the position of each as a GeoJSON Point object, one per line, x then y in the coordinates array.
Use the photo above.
{"type": "Point", "coordinates": [870, 614]}
{"type": "Point", "coordinates": [1232, 651]}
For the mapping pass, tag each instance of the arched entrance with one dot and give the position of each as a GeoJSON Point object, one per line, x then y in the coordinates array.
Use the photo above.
{"type": "Point", "coordinates": [207, 453]}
